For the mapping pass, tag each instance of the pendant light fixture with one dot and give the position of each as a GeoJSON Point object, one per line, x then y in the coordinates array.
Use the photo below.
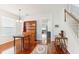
{"type": "Point", "coordinates": [19, 17]}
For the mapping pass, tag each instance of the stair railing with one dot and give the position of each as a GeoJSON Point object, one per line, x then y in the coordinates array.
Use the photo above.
{"type": "Point", "coordinates": [72, 20]}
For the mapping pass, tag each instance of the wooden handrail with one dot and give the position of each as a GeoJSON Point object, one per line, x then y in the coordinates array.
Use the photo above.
{"type": "Point", "coordinates": [65, 11]}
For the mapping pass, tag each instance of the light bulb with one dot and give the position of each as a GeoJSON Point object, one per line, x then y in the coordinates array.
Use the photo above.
{"type": "Point", "coordinates": [17, 21]}
{"type": "Point", "coordinates": [20, 21]}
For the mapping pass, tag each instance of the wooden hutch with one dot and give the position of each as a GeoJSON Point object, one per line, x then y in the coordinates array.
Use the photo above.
{"type": "Point", "coordinates": [29, 31]}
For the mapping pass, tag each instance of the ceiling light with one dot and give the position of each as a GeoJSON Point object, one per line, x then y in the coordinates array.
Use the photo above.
{"type": "Point", "coordinates": [19, 17]}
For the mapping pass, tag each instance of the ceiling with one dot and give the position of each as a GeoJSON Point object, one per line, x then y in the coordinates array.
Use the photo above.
{"type": "Point", "coordinates": [29, 9]}
{"type": "Point", "coordinates": [77, 5]}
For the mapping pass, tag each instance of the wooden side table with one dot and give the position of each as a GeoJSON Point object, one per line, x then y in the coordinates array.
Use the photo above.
{"type": "Point", "coordinates": [22, 42]}
{"type": "Point", "coordinates": [61, 41]}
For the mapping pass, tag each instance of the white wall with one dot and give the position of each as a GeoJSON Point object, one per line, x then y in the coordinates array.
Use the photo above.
{"type": "Point", "coordinates": [57, 19]}
{"type": "Point", "coordinates": [8, 30]}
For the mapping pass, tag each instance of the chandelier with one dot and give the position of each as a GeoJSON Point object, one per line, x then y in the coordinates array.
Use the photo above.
{"type": "Point", "coordinates": [19, 17]}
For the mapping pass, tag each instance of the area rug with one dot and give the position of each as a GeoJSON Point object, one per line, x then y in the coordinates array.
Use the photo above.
{"type": "Point", "coordinates": [40, 49]}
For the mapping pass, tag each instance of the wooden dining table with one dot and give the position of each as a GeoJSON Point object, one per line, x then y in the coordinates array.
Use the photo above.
{"type": "Point", "coordinates": [22, 42]}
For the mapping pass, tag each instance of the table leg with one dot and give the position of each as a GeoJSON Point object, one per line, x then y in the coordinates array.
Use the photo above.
{"type": "Point", "coordinates": [23, 43]}
{"type": "Point", "coordinates": [14, 45]}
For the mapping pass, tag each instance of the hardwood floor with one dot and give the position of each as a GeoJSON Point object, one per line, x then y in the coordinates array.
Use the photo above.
{"type": "Point", "coordinates": [5, 46]}
{"type": "Point", "coordinates": [51, 48]}
{"type": "Point", "coordinates": [8, 45]}
{"type": "Point", "coordinates": [27, 49]}
{"type": "Point", "coordinates": [56, 50]}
